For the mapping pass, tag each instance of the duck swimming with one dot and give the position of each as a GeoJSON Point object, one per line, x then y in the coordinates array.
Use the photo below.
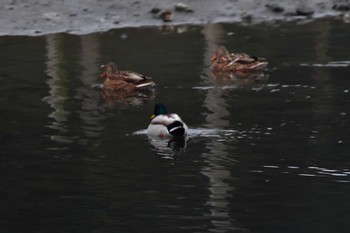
{"type": "Point", "coordinates": [166, 125]}
{"type": "Point", "coordinates": [123, 81]}
{"type": "Point", "coordinates": [224, 61]}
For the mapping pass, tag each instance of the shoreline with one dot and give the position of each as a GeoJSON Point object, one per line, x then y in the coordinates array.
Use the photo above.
{"type": "Point", "coordinates": [79, 17]}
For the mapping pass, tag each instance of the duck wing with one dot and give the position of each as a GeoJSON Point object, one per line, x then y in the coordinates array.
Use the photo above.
{"type": "Point", "coordinates": [137, 79]}
{"type": "Point", "coordinates": [243, 58]}
{"type": "Point", "coordinates": [132, 77]}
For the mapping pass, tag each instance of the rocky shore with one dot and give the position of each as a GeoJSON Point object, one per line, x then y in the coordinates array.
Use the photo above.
{"type": "Point", "coordinates": [38, 17]}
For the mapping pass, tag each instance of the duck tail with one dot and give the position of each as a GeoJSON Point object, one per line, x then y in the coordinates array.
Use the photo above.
{"type": "Point", "coordinates": [176, 128]}
{"type": "Point", "coordinates": [259, 65]}
{"type": "Point", "coordinates": [146, 83]}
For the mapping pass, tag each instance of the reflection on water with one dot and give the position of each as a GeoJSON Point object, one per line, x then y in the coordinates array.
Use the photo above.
{"type": "Point", "coordinates": [220, 190]}
{"type": "Point", "coordinates": [89, 112]}
{"type": "Point", "coordinates": [172, 148]}
{"type": "Point", "coordinates": [225, 78]}
{"type": "Point", "coordinates": [130, 99]}
{"type": "Point", "coordinates": [60, 94]}
{"type": "Point", "coordinates": [58, 86]}
{"type": "Point", "coordinates": [169, 149]}
{"type": "Point", "coordinates": [329, 64]}
{"type": "Point", "coordinates": [258, 151]}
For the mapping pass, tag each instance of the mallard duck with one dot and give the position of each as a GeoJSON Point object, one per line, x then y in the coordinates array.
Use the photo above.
{"type": "Point", "coordinates": [165, 125]}
{"type": "Point", "coordinates": [123, 81]}
{"type": "Point", "coordinates": [225, 61]}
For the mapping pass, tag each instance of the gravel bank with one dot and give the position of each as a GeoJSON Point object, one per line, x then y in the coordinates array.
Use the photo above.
{"type": "Point", "coordinates": [38, 17]}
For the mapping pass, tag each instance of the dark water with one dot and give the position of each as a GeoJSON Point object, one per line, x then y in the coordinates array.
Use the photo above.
{"type": "Point", "coordinates": [270, 156]}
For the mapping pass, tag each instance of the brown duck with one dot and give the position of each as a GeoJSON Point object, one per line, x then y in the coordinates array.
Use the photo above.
{"type": "Point", "coordinates": [224, 61]}
{"type": "Point", "coordinates": [123, 81]}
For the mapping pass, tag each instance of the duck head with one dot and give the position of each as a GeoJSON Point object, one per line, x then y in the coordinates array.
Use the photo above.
{"type": "Point", "coordinates": [109, 69]}
{"type": "Point", "coordinates": [159, 109]}
{"type": "Point", "coordinates": [220, 52]}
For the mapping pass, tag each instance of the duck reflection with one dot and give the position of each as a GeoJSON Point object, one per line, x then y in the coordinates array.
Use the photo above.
{"type": "Point", "coordinates": [113, 98]}
{"type": "Point", "coordinates": [243, 78]}
{"type": "Point", "coordinates": [170, 148]}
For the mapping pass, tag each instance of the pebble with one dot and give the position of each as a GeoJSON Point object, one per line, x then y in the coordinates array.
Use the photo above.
{"type": "Point", "coordinates": [155, 10]}
{"type": "Point", "coordinates": [246, 17]}
{"type": "Point", "coordinates": [346, 18]}
{"type": "Point", "coordinates": [275, 8]}
{"type": "Point", "coordinates": [181, 7]}
{"type": "Point", "coordinates": [341, 7]}
{"type": "Point", "coordinates": [304, 11]}
{"type": "Point", "coordinates": [166, 16]}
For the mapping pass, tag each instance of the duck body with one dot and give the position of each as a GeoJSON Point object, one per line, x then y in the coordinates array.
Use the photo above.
{"type": "Point", "coordinates": [165, 125]}
{"type": "Point", "coordinates": [123, 81]}
{"type": "Point", "coordinates": [224, 61]}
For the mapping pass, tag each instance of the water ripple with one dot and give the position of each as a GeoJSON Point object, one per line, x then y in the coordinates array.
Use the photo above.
{"type": "Point", "coordinates": [329, 64]}
{"type": "Point", "coordinates": [341, 175]}
{"type": "Point", "coordinates": [199, 132]}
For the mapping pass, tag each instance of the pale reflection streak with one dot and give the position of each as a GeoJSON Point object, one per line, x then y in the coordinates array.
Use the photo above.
{"type": "Point", "coordinates": [58, 90]}
{"type": "Point", "coordinates": [324, 98]}
{"type": "Point", "coordinates": [90, 109]}
{"type": "Point", "coordinates": [218, 174]}
{"type": "Point", "coordinates": [59, 85]}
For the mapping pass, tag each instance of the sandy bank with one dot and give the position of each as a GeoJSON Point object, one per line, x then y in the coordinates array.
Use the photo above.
{"type": "Point", "coordinates": [37, 17]}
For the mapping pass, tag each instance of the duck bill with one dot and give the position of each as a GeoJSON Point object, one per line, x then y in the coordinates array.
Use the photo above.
{"type": "Point", "coordinates": [153, 116]}
{"type": "Point", "coordinates": [213, 58]}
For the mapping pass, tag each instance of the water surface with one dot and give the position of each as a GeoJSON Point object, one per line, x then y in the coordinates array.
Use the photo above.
{"type": "Point", "coordinates": [262, 156]}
